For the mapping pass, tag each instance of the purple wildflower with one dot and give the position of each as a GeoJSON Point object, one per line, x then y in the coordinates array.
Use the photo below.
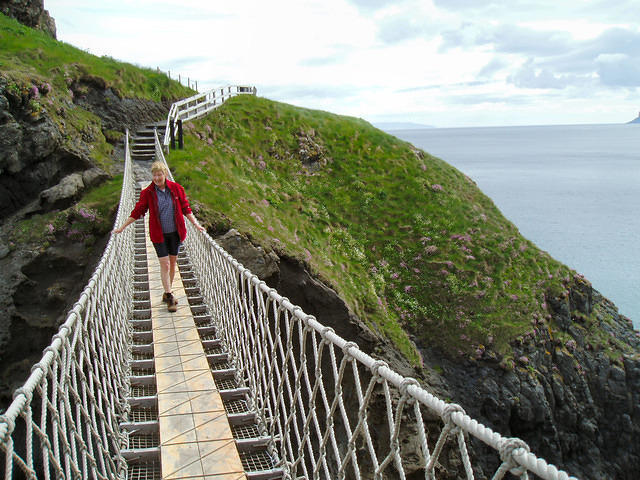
{"type": "Point", "coordinates": [51, 228]}
{"type": "Point", "coordinates": [407, 288]}
{"type": "Point", "coordinates": [34, 92]}
{"type": "Point", "coordinates": [436, 187]}
{"type": "Point", "coordinates": [256, 216]}
{"type": "Point", "coordinates": [262, 165]}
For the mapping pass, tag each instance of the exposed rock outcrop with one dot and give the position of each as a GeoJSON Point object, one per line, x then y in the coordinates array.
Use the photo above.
{"type": "Point", "coordinates": [115, 112]}
{"type": "Point", "coordinates": [30, 13]}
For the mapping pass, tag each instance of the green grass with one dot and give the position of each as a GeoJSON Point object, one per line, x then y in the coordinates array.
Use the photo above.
{"type": "Point", "coordinates": [407, 240]}
{"type": "Point", "coordinates": [40, 76]}
{"type": "Point", "coordinates": [33, 55]}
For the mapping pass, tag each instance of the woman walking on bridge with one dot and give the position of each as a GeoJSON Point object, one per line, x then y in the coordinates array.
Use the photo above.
{"type": "Point", "coordinates": [167, 205]}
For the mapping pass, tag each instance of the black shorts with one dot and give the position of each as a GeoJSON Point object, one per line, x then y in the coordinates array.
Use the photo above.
{"type": "Point", "coordinates": [170, 246]}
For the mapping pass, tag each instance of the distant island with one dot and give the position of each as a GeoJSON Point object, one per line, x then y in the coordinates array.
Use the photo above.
{"type": "Point", "coordinates": [635, 120]}
{"type": "Point", "coordinates": [386, 126]}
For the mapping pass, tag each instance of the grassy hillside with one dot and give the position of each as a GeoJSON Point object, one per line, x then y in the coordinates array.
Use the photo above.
{"type": "Point", "coordinates": [410, 242]}
{"type": "Point", "coordinates": [27, 54]}
{"type": "Point", "coordinates": [37, 74]}
{"type": "Point", "coordinates": [41, 73]}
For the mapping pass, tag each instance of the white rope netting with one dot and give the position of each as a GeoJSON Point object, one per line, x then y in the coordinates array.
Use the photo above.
{"type": "Point", "coordinates": [63, 422]}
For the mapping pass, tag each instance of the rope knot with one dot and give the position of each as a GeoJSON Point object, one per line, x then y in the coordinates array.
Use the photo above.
{"type": "Point", "coordinates": [348, 346]}
{"type": "Point", "coordinates": [449, 410]}
{"type": "Point", "coordinates": [377, 365]}
{"type": "Point", "coordinates": [325, 331]}
{"type": "Point", "coordinates": [37, 366]}
{"type": "Point", "coordinates": [308, 319]}
{"type": "Point", "coordinates": [22, 391]}
{"type": "Point", "coordinates": [506, 455]}
{"type": "Point", "coordinates": [405, 384]}
{"type": "Point", "coordinates": [10, 423]}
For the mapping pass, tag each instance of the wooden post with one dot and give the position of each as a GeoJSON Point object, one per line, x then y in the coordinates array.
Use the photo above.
{"type": "Point", "coordinates": [180, 139]}
{"type": "Point", "coordinates": [172, 133]}
{"type": "Point", "coordinates": [179, 80]}
{"type": "Point", "coordinates": [196, 85]}
{"type": "Point", "coordinates": [169, 74]}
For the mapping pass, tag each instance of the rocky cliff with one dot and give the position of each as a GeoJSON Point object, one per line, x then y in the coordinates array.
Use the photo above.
{"type": "Point", "coordinates": [30, 13]}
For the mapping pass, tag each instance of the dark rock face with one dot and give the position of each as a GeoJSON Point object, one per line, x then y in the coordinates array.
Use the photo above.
{"type": "Point", "coordinates": [116, 113]}
{"type": "Point", "coordinates": [30, 13]}
{"type": "Point", "coordinates": [573, 404]}
{"type": "Point", "coordinates": [32, 155]}
{"type": "Point", "coordinates": [38, 291]}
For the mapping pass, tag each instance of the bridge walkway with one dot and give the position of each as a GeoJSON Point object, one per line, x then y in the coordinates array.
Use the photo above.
{"type": "Point", "coordinates": [188, 416]}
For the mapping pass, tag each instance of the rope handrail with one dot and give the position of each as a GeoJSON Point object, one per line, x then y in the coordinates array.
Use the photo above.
{"type": "Point", "coordinates": [200, 104]}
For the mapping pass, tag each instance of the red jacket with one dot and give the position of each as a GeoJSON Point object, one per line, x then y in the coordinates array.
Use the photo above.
{"type": "Point", "coordinates": [149, 201]}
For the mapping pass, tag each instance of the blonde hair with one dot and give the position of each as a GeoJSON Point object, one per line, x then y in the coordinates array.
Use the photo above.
{"type": "Point", "coordinates": [159, 167]}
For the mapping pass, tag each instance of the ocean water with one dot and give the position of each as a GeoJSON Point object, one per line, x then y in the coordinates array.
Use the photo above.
{"type": "Point", "coordinates": [574, 190]}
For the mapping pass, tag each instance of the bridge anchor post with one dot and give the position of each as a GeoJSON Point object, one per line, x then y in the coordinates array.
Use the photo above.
{"type": "Point", "coordinates": [180, 139]}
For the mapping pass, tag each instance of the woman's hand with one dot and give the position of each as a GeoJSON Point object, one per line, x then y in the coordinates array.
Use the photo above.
{"type": "Point", "coordinates": [195, 222]}
{"type": "Point", "coordinates": [127, 222]}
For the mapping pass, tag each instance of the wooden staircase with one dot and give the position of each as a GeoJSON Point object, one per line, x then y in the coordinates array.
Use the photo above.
{"type": "Point", "coordinates": [143, 145]}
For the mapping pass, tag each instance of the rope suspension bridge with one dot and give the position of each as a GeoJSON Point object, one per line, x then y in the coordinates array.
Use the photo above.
{"type": "Point", "coordinates": [239, 383]}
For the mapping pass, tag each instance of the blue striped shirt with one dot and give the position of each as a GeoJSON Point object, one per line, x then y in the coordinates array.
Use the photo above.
{"type": "Point", "coordinates": [165, 210]}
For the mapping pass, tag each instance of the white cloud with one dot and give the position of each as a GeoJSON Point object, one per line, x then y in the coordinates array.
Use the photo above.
{"type": "Point", "coordinates": [505, 61]}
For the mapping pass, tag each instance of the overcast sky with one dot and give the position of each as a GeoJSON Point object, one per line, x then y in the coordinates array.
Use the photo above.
{"type": "Point", "coordinates": [446, 63]}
